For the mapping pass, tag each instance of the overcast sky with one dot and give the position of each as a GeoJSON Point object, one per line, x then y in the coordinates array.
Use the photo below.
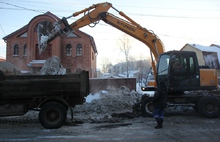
{"type": "Point", "coordinates": [176, 22]}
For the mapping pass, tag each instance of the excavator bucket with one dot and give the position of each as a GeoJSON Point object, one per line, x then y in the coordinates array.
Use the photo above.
{"type": "Point", "coordinates": [45, 36]}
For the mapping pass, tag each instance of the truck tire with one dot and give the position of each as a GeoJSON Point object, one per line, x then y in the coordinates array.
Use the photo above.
{"type": "Point", "coordinates": [52, 115]}
{"type": "Point", "coordinates": [209, 107]}
{"type": "Point", "coordinates": [147, 107]}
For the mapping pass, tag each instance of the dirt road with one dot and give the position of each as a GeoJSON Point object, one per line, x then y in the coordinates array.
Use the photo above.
{"type": "Point", "coordinates": [181, 127]}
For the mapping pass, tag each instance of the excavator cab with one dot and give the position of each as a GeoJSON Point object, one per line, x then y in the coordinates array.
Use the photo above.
{"type": "Point", "coordinates": [180, 71]}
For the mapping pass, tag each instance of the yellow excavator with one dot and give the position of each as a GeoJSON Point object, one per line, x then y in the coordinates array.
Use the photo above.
{"type": "Point", "coordinates": [187, 83]}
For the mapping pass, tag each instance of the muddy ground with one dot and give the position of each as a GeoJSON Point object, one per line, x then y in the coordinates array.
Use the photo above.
{"type": "Point", "coordinates": [178, 127]}
{"type": "Point", "coordinates": [109, 118]}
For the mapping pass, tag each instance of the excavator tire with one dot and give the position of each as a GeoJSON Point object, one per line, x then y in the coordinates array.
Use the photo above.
{"type": "Point", "coordinates": [209, 106]}
{"type": "Point", "coordinates": [52, 115]}
{"type": "Point", "coordinates": [147, 107]}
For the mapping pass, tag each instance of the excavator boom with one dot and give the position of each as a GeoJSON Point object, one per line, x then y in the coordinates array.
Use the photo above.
{"type": "Point", "coordinates": [97, 12]}
{"type": "Point", "coordinates": [128, 26]}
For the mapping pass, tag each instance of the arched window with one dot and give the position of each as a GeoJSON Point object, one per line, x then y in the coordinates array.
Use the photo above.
{"type": "Point", "coordinates": [16, 50]}
{"type": "Point", "coordinates": [79, 50]}
{"type": "Point", "coordinates": [78, 70]}
{"type": "Point", "coordinates": [68, 50]}
{"type": "Point", "coordinates": [25, 50]}
{"type": "Point", "coordinates": [68, 70]}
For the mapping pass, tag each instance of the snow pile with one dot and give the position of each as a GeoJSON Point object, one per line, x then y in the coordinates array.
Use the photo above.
{"type": "Point", "coordinates": [112, 101]}
{"type": "Point", "coordinates": [53, 66]}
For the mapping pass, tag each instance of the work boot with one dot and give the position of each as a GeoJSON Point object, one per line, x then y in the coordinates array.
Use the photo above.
{"type": "Point", "coordinates": [159, 123]}
{"type": "Point", "coordinates": [161, 120]}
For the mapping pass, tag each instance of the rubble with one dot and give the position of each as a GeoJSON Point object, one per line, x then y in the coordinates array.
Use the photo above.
{"type": "Point", "coordinates": [109, 103]}
{"type": "Point", "coordinates": [9, 69]}
{"type": "Point", "coordinates": [53, 66]}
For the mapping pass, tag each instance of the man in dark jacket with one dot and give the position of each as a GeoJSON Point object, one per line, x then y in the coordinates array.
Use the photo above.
{"type": "Point", "coordinates": [160, 102]}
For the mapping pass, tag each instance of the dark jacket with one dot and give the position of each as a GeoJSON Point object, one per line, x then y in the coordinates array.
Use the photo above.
{"type": "Point", "coordinates": [160, 98]}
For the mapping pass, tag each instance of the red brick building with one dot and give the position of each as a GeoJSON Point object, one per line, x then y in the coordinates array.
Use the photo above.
{"type": "Point", "coordinates": [76, 50]}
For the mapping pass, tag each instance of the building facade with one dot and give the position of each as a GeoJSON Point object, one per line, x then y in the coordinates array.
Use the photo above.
{"type": "Point", "coordinates": [77, 50]}
{"type": "Point", "coordinates": [207, 55]}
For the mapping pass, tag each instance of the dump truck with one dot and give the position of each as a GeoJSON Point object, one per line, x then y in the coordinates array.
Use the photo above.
{"type": "Point", "coordinates": [51, 95]}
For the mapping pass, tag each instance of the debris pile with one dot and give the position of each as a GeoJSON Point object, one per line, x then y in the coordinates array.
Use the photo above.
{"type": "Point", "coordinates": [110, 102]}
{"type": "Point", "coordinates": [9, 69]}
{"type": "Point", "coordinates": [53, 66]}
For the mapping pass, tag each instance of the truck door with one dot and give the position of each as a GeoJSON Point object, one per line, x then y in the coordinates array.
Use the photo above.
{"type": "Point", "coordinates": [183, 72]}
{"type": "Point", "coordinates": [194, 80]}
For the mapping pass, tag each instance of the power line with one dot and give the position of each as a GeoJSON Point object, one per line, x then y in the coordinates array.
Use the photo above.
{"type": "Point", "coordinates": [2, 30]}
{"type": "Point", "coordinates": [171, 36]}
{"type": "Point", "coordinates": [179, 9]}
{"type": "Point", "coordinates": [132, 6]}
{"type": "Point", "coordinates": [182, 17]}
{"type": "Point", "coordinates": [21, 7]}
{"type": "Point", "coordinates": [41, 11]}
{"type": "Point", "coordinates": [136, 14]}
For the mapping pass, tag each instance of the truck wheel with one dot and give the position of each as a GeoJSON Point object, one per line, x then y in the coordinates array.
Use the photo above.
{"type": "Point", "coordinates": [52, 115]}
{"type": "Point", "coordinates": [147, 107]}
{"type": "Point", "coordinates": [209, 106]}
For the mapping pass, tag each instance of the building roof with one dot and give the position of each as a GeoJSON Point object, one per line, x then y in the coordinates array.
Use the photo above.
{"type": "Point", "coordinates": [11, 34]}
{"type": "Point", "coordinates": [26, 26]}
{"type": "Point", "coordinates": [211, 48]}
{"type": "Point", "coordinates": [207, 48]}
{"type": "Point", "coordinates": [217, 45]}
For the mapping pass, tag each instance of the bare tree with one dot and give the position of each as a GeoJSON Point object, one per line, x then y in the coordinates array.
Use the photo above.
{"type": "Point", "coordinates": [106, 64]}
{"type": "Point", "coordinates": [124, 44]}
{"type": "Point", "coordinates": [143, 63]}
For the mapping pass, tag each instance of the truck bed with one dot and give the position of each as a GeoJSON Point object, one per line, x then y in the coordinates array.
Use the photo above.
{"type": "Point", "coordinates": [37, 86]}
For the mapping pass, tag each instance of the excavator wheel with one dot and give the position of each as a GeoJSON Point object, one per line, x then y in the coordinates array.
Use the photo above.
{"type": "Point", "coordinates": [209, 106]}
{"type": "Point", "coordinates": [147, 107]}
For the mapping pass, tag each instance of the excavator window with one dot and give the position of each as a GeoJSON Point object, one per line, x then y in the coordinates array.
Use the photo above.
{"type": "Point", "coordinates": [192, 65]}
{"type": "Point", "coordinates": [179, 69]}
{"type": "Point", "coordinates": [179, 64]}
{"type": "Point", "coordinates": [163, 65]}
